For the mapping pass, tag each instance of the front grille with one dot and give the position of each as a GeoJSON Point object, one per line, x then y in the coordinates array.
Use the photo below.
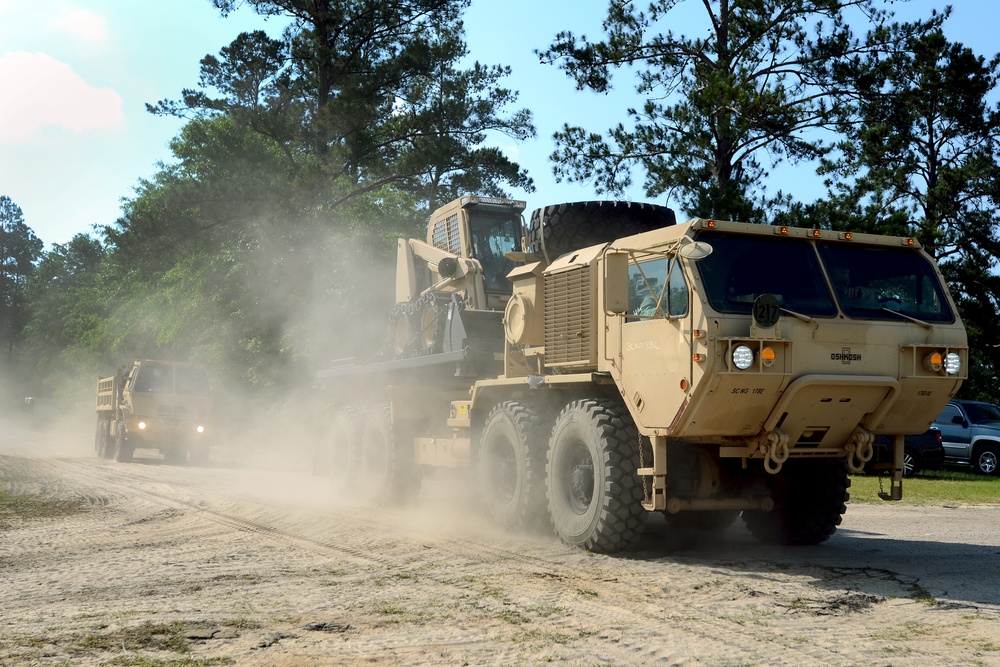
{"type": "Point", "coordinates": [568, 318]}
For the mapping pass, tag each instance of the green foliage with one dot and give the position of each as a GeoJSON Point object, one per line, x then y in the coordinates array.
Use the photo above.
{"type": "Point", "coordinates": [920, 158]}
{"type": "Point", "coordinates": [19, 248]}
{"type": "Point", "coordinates": [752, 85]}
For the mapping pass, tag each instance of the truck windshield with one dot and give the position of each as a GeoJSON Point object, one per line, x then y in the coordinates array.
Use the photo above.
{"type": "Point", "coordinates": [743, 266]}
{"type": "Point", "coordinates": [878, 282]}
{"type": "Point", "coordinates": [871, 282]}
{"type": "Point", "coordinates": [163, 379]}
{"type": "Point", "coordinates": [493, 236]}
{"type": "Point", "coordinates": [154, 378]}
{"type": "Point", "coordinates": [191, 380]}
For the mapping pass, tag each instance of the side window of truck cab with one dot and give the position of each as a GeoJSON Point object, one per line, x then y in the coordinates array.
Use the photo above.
{"type": "Point", "coordinates": [654, 290]}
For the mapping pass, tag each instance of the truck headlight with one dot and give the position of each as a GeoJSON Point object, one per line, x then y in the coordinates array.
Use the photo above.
{"type": "Point", "coordinates": [200, 429]}
{"type": "Point", "coordinates": [742, 357]}
{"type": "Point", "coordinates": [142, 426]}
{"type": "Point", "coordinates": [952, 363]}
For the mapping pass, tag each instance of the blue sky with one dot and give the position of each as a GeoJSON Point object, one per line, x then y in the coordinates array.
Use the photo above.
{"type": "Point", "coordinates": [75, 75]}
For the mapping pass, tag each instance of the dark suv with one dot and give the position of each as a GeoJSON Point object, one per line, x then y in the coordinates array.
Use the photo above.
{"type": "Point", "coordinates": [920, 452]}
{"type": "Point", "coordinates": [970, 433]}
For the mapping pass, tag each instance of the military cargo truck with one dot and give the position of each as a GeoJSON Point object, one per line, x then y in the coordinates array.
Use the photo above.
{"type": "Point", "coordinates": [612, 363]}
{"type": "Point", "coordinates": [162, 405]}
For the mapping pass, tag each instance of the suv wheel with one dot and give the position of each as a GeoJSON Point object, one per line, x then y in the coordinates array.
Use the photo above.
{"type": "Point", "coordinates": [987, 459]}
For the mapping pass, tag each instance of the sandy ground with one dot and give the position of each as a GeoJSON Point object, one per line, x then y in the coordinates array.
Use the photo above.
{"type": "Point", "coordinates": [246, 564]}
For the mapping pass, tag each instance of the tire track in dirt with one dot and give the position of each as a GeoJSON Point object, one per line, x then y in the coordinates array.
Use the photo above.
{"type": "Point", "coordinates": [453, 580]}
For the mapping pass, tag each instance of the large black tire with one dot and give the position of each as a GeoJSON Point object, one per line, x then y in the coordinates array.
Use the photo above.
{"type": "Point", "coordinates": [810, 497]}
{"type": "Point", "coordinates": [511, 466]}
{"type": "Point", "coordinates": [102, 440]}
{"type": "Point", "coordinates": [594, 493]}
{"type": "Point", "coordinates": [987, 459]}
{"type": "Point", "coordinates": [123, 452]}
{"type": "Point", "coordinates": [556, 230]}
{"type": "Point", "coordinates": [386, 472]}
{"type": "Point", "coordinates": [342, 447]}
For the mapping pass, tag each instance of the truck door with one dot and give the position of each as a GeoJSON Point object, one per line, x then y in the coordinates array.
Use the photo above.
{"type": "Point", "coordinates": [656, 339]}
{"type": "Point", "coordinates": [956, 432]}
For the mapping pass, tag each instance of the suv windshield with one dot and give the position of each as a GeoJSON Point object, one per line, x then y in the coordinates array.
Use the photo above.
{"type": "Point", "coordinates": [981, 413]}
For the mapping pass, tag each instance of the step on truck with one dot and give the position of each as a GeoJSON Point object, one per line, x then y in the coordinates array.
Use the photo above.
{"type": "Point", "coordinates": [162, 405]}
{"type": "Point", "coordinates": [601, 362]}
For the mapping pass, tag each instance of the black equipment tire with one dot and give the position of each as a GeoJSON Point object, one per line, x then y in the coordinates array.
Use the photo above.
{"type": "Point", "coordinates": [594, 494]}
{"type": "Point", "coordinates": [386, 469]}
{"type": "Point", "coordinates": [810, 497]}
{"type": "Point", "coordinates": [123, 453]}
{"type": "Point", "coordinates": [561, 228]}
{"type": "Point", "coordinates": [511, 466]}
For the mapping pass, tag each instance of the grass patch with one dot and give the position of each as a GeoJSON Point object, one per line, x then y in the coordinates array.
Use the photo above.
{"type": "Point", "coordinates": [932, 487]}
{"type": "Point", "coordinates": [15, 508]}
{"type": "Point", "coordinates": [156, 636]}
{"type": "Point", "coordinates": [143, 661]}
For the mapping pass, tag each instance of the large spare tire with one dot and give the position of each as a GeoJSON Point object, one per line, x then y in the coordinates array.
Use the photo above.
{"type": "Point", "coordinates": [561, 228]}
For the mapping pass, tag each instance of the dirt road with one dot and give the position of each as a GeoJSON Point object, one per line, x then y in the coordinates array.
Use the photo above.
{"type": "Point", "coordinates": [236, 563]}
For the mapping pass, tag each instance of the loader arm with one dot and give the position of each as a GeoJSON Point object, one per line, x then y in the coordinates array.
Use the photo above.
{"type": "Point", "coordinates": [423, 268]}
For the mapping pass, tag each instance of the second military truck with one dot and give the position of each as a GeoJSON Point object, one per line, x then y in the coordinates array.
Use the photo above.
{"type": "Point", "coordinates": [601, 361]}
{"type": "Point", "coordinates": [162, 405]}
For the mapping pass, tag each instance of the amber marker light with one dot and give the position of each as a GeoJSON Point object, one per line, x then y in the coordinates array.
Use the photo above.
{"type": "Point", "coordinates": [767, 356]}
{"type": "Point", "coordinates": [934, 362]}
{"type": "Point", "coordinates": [710, 224]}
{"type": "Point", "coordinates": [815, 233]}
{"type": "Point", "coordinates": [697, 333]}
{"type": "Point", "coordinates": [684, 384]}
{"type": "Point", "coordinates": [698, 356]}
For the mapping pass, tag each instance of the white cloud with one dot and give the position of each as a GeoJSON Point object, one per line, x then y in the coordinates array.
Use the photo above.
{"type": "Point", "coordinates": [89, 26]}
{"type": "Point", "coordinates": [41, 92]}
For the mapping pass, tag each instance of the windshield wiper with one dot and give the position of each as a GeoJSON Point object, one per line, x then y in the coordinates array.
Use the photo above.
{"type": "Point", "coordinates": [883, 309]}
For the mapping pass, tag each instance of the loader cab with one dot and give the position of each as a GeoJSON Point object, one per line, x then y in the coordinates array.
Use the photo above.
{"type": "Point", "coordinates": [484, 229]}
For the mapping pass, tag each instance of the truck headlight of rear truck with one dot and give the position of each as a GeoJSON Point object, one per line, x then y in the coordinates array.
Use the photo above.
{"type": "Point", "coordinates": [200, 429]}
{"type": "Point", "coordinates": [952, 363]}
{"type": "Point", "coordinates": [142, 426]}
{"type": "Point", "coordinates": [742, 357]}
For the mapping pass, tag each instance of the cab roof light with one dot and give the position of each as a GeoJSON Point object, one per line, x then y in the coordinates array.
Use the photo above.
{"type": "Point", "coordinates": [815, 233]}
{"type": "Point", "coordinates": [846, 236]}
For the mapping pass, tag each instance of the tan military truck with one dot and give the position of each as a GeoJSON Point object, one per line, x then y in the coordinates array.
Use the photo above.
{"type": "Point", "coordinates": [162, 405]}
{"type": "Point", "coordinates": [627, 364]}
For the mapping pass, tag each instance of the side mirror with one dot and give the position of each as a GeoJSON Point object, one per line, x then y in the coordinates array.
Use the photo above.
{"type": "Point", "coordinates": [959, 419]}
{"type": "Point", "coordinates": [695, 251]}
{"type": "Point", "coordinates": [616, 282]}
